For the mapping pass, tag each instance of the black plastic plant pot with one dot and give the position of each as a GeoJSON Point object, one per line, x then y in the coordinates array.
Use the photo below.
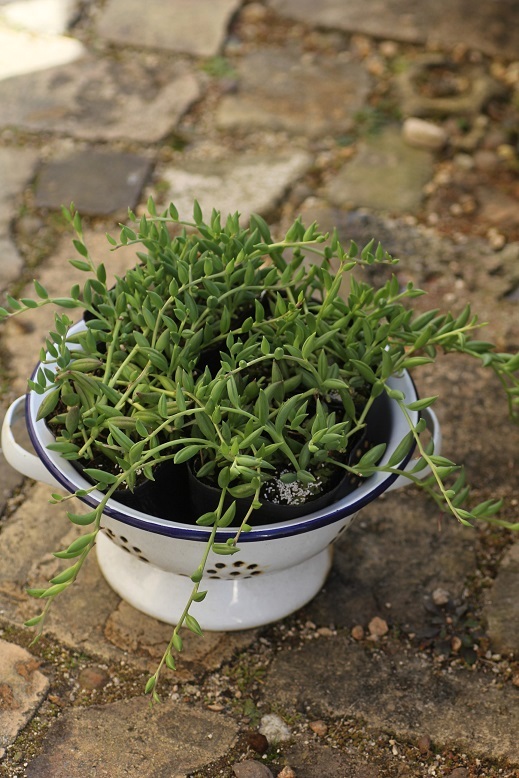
{"type": "Point", "coordinates": [166, 497]}
{"type": "Point", "coordinates": [205, 498]}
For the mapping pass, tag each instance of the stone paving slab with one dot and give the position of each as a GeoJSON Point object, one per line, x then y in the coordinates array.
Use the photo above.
{"type": "Point", "coordinates": [486, 26]}
{"type": "Point", "coordinates": [130, 739]}
{"type": "Point", "coordinates": [98, 183]}
{"type": "Point", "coordinates": [245, 182]}
{"type": "Point", "coordinates": [330, 89]}
{"type": "Point", "coordinates": [398, 692]}
{"type": "Point", "coordinates": [100, 100]}
{"type": "Point", "coordinates": [386, 175]}
{"type": "Point", "coordinates": [17, 166]}
{"type": "Point", "coordinates": [11, 262]}
{"type": "Point", "coordinates": [169, 26]}
{"type": "Point", "coordinates": [23, 542]}
{"type": "Point", "coordinates": [502, 608]}
{"type": "Point", "coordinates": [142, 639]}
{"type": "Point", "coordinates": [389, 564]}
{"type": "Point", "coordinates": [22, 688]}
{"type": "Point", "coordinates": [10, 480]}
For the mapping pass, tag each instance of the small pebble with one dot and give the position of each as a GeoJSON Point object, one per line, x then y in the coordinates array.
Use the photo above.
{"type": "Point", "coordinates": [506, 151]}
{"type": "Point", "coordinates": [251, 769]}
{"type": "Point", "coordinates": [375, 65]}
{"type": "Point", "coordinates": [325, 632]}
{"type": "Point", "coordinates": [258, 742]}
{"type": "Point", "coordinates": [426, 135]}
{"type": "Point", "coordinates": [388, 49]}
{"type": "Point", "coordinates": [287, 772]}
{"type": "Point", "coordinates": [56, 700]}
{"type": "Point", "coordinates": [515, 680]}
{"type": "Point", "coordinates": [378, 627]}
{"type": "Point", "coordinates": [274, 728]}
{"type": "Point", "coordinates": [496, 239]}
{"type": "Point", "coordinates": [93, 678]}
{"type": "Point", "coordinates": [456, 644]}
{"type": "Point", "coordinates": [464, 161]}
{"type": "Point", "coordinates": [319, 727]}
{"type": "Point", "coordinates": [440, 596]}
{"type": "Point", "coordinates": [357, 632]}
{"type": "Point", "coordinates": [459, 772]}
{"type": "Point", "coordinates": [424, 744]}
{"type": "Point", "coordinates": [362, 45]}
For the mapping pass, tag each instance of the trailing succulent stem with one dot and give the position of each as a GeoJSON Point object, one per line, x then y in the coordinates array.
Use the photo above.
{"type": "Point", "coordinates": [224, 349]}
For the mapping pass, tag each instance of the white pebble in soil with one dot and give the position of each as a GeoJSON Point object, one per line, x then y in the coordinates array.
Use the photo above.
{"type": "Point", "coordinates": [426, 135]}
{"type": "Point", "coordinates": [274, 728]}
{"type": "Point", "coordinates": [440, 596]}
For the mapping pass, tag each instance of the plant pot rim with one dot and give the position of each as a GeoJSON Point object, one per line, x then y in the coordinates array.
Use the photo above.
{"type": "Point", "coordinates": [71, 480]}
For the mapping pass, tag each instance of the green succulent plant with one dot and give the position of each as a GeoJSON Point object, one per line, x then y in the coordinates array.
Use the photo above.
{"type": "Point", "coordinates": [244, 357]}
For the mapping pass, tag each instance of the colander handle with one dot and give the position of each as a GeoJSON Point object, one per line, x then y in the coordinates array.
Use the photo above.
{"type": "Point", "coordinates": [433, 425]}
{"type": "Point", "coordinates": [24, 461]}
